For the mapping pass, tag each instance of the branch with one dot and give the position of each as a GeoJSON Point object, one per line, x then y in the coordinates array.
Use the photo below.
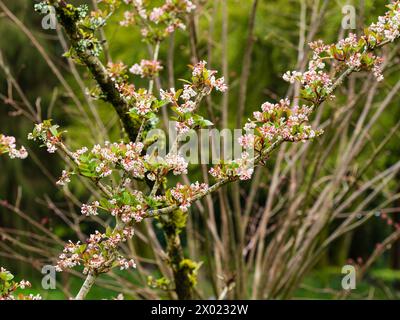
{"type": "Point", "coordinates": [69, 154]}
{"type": "Point", "coordinates": [96, 67]}
{"type": "Point", "coordinates": [216, 186]}
{"type": "Point", "coordinates": [262, 156]}
{"type": "Point", "coordinates": [87, 285]}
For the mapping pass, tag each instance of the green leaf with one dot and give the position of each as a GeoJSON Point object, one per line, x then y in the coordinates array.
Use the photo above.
{"type": "Point", "coordinates": [53, 130]}
{"type": "Point", "coordinates": [6, 276]}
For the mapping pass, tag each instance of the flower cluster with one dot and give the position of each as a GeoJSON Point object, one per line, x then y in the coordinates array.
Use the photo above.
{"type": "Point", "coordinates": [146, 68]}
{"type": "Point", "coordinates": [316, 84]}
{"type": "Point", "coordinates": [205, 80]}
{"type": "Point", "coordinates": [8, 287]}
{"type": "Point", "coordinates": [160, 166]}
{"type": "Point", "coordinates": [116, 71]}
{"type": "Point", "coordinates": [241, 168]}
{"type": "Point", "coordinates": [279, 120]}
{"type": "Point", "coordinates": [143, 103]}
{"type": "Point", "coordinates": [275, 121]}
{"type": "Point", "coordinates": [129, 213]}
{"type": "Point", "coordinates": [98, 255]}
{"type": "Point", "coordinates": [90, 209]}
{"type": "Point", "coordinates": [48, 134]}
{"type": "Point", "coordinates": [185, 101]}
{"type": "Point", "coordinates": [184, 195]}
{"type": "Point", "coordinates": [352, 52]}
{"type": "Point", "coordinates": [176, 163]}
{"type": "Point", "coordinates": [125, 264]}
{"type": "Point", "coordinates": [130, 206]}
{"type": "Point", "coordinates": [388, 26]}
{"type": "Point", "coordinates": [101, 161]}
{"type": "Point", "coordinates": [8, 145]}
{"type": "Point", "coordinates": [158, 22]}
{"type": "Point", "coordinates": [64, 179]}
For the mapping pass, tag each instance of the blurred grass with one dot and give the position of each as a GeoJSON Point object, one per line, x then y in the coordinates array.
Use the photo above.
{"type": "Point", "coordinates": [323, 284]}
{"type": "Point", "coordinates": [326, 284]}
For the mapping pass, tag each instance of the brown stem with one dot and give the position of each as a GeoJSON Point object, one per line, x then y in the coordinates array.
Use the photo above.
{"type": "Point", "coordinates": [184, 270]}
{"type": "Point", "coordinates": [183, 287]}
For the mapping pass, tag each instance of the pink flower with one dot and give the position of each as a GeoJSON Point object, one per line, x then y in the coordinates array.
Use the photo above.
{"type": "Point", "coordinates": [64, 179]}
{"type": "Point", "coordinates": [181, 128]}
{"type": "Point", "coordinates": [146, 68]}
{"type": "Point", "coordinates": [176, 163]}
{"type": "Point", "coordinates": [354, 61]}
{"type": "Point", "coordinates": [168, 95]}
{"type": "Point", "coordinates": [156, 14]}
{"type": "Point", "coordinates": [219, 84]}
{"type": "Point", "coordinates": [8, 145]}
{"type": "Point", "coordinates": [185, 194]}
{"type": "Point", "coordinates": [23, 284]}
{"type": "Point", "coordinates": [129, 19]}
{"type": "Point", "coordinates": [136, 69]}
{"type": "Point", "coordinates": [188, 92]}
{"type": "Point", "coordinates": [188, 106]}
{"type": "Point", "coordinates": [268, 131]}
{"type": "Point", "coordinates": [268, 107]}
{"type": "Point", "coordinates": [199, 68]}
{"type": "Point", "coordinates": [90, 209]}
{"type": "Point", "coordinates": [292, 76]}
{"type": "Point", "coordinates": [80, 152]}
{"type": "Point", "coordinates": [247, 141]}
{"type": "Point", "coordinates": [126, 264]}
{"type": "Point", "coordinates": [246, 167]}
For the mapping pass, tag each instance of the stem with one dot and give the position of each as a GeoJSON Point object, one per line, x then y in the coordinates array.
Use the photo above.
{"type": "Point", "coordinates": [155, 188]}
{"type": "Point", "coordinates": [69, 154]}
{"type": "Point", "coordinates": [183, 274]}
{"type": "Point", "coordinates": [87, 285]}
{"type": "Point", "coordinates": [155, 58]}
{"type": "Point", "coordinates": [214, 187]}
{"type": "Point", "coordinates": [150, 91]}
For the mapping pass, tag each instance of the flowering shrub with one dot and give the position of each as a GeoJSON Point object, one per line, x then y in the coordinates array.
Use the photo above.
{"type": "Point", "coordinates": [135, 184]}
{"type": "Point", "coordinates": [128, 162]}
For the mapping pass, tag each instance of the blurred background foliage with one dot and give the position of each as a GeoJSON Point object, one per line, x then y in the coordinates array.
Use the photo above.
{"type": "Point", "coordinates": [275, 52]}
